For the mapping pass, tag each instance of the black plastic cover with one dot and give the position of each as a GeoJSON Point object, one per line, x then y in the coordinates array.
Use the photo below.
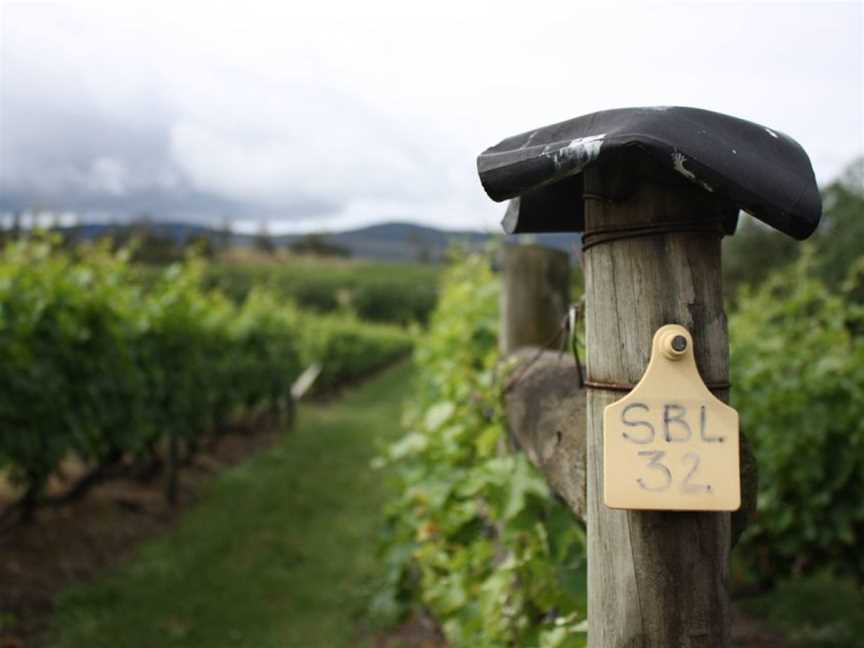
{"type": "Point", "coordinates": [762, 171]}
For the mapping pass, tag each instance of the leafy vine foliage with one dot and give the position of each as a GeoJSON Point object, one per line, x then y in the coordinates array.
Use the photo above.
{"type": "Point", "coordinates": [100, 362]}
{"type": "Point", "coordinates": [378, 292]}
{"type": "Point", "coordinates": [798, 376]}
{"type": "Point", "coordinates": [476, 537]}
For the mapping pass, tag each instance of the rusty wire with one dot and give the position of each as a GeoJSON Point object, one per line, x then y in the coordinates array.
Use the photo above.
{"type": "Point", "coordinates": [610, 233]}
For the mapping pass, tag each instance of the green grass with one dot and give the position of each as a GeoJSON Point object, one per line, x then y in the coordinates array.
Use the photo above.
{"type": "Point", "coordinates": [280, 551]}
{"type": "Point", "coordinates": [375, 291]}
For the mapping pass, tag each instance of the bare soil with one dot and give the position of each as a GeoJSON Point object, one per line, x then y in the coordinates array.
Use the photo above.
{"type": "Point", "coordinates": [421, 631]}
{"type": "Point", "coordinates": [748, 632]}
{"type": "Point", "coordinates": [75, 542]}
{"type": "Point", "coordinates": [72, 543]}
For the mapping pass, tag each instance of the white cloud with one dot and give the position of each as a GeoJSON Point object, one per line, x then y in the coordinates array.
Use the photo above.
{"type": "Point", "coordinates": [307, 149]}
{"type": "Point", "coordinates": [108, 175]}
{"type": "Point", "coordinates": [340, 112]}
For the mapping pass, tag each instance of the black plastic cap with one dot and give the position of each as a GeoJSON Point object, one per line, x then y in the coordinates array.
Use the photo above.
{"type": "Point", "coordinates": [752, 167]}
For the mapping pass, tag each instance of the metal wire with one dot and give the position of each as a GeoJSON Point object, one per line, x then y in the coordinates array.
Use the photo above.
{"type": "Point", "coordinates": [569, 325]}
{"type": "Point", "coordinates": [610, 233]}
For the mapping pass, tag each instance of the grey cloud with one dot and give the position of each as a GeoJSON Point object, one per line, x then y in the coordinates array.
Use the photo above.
{"type": "Point", "coordinates": [302, 118]}
{"type": "Point", "coordinates": [61, 150]}
{"type": "Point", "coordinates": [175, 204]}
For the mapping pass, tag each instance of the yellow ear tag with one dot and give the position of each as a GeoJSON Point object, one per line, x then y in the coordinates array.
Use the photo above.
{"type": "Point", "coordinates": [670, 444]}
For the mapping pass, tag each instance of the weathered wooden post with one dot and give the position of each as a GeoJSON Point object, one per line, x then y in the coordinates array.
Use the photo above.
{"type": "Point", "coordinates": [535, 291]}
{"type": "Point", "coordinates": [534, 295]}
{"type": "Point", "coordinates": [676, 564]}
{"type": "Point", "coordinates": [654, 190]}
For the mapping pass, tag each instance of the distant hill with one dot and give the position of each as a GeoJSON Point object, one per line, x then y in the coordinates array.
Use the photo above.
{"type": "Point", "coordinates": [177, 232]}
{"type": "Point", "coordinates": [410, 242]}
{"type": "Point", "coordinates": [394, 241]}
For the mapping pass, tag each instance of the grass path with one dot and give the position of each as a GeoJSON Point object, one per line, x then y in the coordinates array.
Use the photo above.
{"type": "Point", "coordinates": [280, 552]}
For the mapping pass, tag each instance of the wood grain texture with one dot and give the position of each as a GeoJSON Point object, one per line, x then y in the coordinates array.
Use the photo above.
{"type": "Point", "coordinates": [534, 297]}
{"type": "Point", "coordinates": [546, 420]}
{"type": "Point", "coordinates": [656, 579]}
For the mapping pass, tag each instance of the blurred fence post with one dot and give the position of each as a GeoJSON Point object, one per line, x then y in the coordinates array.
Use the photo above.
{"type": "Point", "coordinates": [534, 296]}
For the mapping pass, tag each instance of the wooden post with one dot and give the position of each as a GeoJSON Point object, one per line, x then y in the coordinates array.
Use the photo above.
{"type": "Point", "coordinates": [546, 418]}
{"type": "Point", "coordinates": [534, 296]}
{"type": "Point", "coordinates": [656, 579]}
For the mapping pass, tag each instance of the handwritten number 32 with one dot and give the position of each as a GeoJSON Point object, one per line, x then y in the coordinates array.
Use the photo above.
{"type": "Point", "coordinates": [664, 475]}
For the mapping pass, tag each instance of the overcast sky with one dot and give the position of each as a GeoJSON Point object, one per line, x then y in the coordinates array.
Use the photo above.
{"type": "Point", "coordinates": [326, 115]}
